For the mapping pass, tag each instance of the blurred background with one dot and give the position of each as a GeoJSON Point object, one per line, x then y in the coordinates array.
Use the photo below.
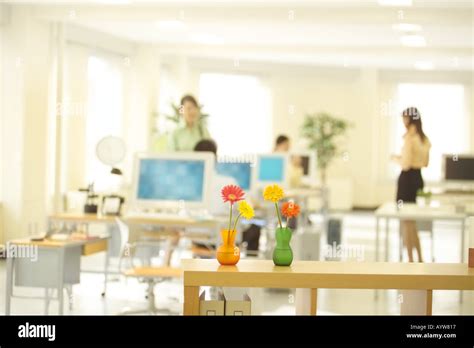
{"type": "Point", "coordinates": [73, 72]}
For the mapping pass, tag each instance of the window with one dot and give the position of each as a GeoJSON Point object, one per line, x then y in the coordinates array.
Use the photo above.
{"type": "Point", "coordinates": [104, 114]}
{"type": "Point", "coordinates": [239, 109]}
{"type": "Point", "coordinates": [168, 94]}
{"type": "Point", "coordinates": [445, 121]}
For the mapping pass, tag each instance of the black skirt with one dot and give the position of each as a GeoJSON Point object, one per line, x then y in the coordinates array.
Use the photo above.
{"type": "Point", "coordinates": [409, 182]}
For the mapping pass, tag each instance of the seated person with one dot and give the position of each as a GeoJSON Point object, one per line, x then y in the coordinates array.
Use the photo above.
{"type": "Point", "coordinates": [218, 182]}
{"type": "Point", "coordinates": [282, 144]}
{"type": "Point", "coordinates": [295, 170]}
{"type": "Point", "coordinates": [252, 234]}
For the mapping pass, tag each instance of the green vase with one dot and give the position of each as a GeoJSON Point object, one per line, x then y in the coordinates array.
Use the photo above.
{"type": "Point", "coordinates": [282, 254]}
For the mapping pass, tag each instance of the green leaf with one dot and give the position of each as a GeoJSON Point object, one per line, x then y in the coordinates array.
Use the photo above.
{"type": "Point", "coordinates": [322, 131]}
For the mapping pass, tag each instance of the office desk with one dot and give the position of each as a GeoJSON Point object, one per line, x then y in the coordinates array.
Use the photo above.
{"type": "Point", "coordinates": [172, 221]}
{"type": "Point", "coordinates": [159, 220]}
{"type": "Point", "coordinates": [411, 211]}
{"type": "Point", "coordinates": [57, 265]}
{"type": "Point", "coordinates": [302, 195]}
{"type": "Point", "coordinates": [138, 219]}
{"type": "Point", "coordinates": [308, 276]}
{"type": "Point", "coordinates": [81, 217]}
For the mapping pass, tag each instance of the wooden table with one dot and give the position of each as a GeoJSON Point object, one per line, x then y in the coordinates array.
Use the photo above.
{"type": "Point", "coordinates": [308, 276]}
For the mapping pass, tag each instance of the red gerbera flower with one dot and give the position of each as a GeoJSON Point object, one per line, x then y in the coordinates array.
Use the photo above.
{"type": "Point", "coordinates": [290, 209]}
{"type": "Point", "coordinates": [232, 194]}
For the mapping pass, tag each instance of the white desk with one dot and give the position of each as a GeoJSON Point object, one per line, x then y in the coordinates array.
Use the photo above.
{"type": "Point", "coordinates": [58, 264]}
{"type": "Point", "coordinates": [411, 211]}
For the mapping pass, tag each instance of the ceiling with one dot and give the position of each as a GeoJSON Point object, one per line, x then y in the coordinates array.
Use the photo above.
{"type": "Point", "coordinates": [440, 34]}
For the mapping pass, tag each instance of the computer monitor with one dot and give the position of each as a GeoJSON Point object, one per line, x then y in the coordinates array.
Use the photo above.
{"type": "Point", "coordinates": [240, 171]}
{"type": "Point", "coordinates": [307, 160]}
{"type": "Point", "coordinates": [458, 168]}
{"type": "Point", "coordinates": [173, 179]}
{"type": "Point", "coordinates": [271, 169]}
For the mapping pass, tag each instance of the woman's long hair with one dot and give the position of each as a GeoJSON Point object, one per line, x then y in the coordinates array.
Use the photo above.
{"type": "Point", "coordinates": [414, 117]}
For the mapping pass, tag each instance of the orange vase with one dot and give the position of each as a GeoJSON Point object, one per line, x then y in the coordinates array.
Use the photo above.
{"type": "Point", "coordinates": [227, 252]}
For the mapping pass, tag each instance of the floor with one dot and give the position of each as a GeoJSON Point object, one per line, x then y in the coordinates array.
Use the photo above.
{"type": "Point", "coordinates": [358, 240]}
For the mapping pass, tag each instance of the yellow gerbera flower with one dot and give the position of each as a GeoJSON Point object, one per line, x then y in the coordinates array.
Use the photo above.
{"type": "Point", "coordinates": [273, 193]}
{"type": "Point", "coordinates": [246, 210]}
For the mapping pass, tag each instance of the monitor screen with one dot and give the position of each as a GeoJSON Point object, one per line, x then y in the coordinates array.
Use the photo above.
{"type": "Point", "coordinates": [241, 172]}
{"type": "Point", "coordinates": [171, 180]}
{"type": "Point", "coordinates": [459, 168]}
{"type": "Point", "coordinates": [271, 168]}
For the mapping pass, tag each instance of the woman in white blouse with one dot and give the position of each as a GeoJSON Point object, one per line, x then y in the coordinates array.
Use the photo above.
{"type": "Point", "coordinates": [414, 156]}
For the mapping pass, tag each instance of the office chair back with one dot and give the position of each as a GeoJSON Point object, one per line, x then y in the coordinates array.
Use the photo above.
{"type": "Point", "coordinates": [141, 253]}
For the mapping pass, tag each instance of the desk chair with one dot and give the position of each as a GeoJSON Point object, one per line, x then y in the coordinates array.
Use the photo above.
{"type": "Point", "coordinates": [139, 266]}
{"type": "Point", "coordinates": [201, 251]}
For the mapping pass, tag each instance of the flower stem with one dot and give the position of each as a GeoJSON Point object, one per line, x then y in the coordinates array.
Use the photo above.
{"type": "Point", "coordinates": [237, 220]}
{"type": "Point", "coordinates": [230, 217]}
{"type": "Point", "coordinates": [278, 214]}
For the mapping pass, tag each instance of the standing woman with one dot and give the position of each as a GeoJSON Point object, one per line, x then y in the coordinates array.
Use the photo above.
{"type": "Point", "coordinates": [414, 156]}
{"type": "Point", "coordinates": [186, 137]}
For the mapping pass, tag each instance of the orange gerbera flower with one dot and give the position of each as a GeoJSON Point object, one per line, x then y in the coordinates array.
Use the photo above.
{"type": "Point", "coordinates": [290, 209]}
{"type": "Point", "coordinates": [232, 194]}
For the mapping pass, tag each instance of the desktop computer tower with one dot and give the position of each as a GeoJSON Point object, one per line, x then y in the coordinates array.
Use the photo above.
{"type": "Point", "coordinates": [306, 245]}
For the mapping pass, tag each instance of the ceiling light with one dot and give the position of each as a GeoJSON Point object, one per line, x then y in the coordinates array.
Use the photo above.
{"type": "Point", "coordinates": [424, 65]}
{"type": "Point", "coordinates": [395, 2]}
{"type": "Point", "coordinates": [406, 27]}
{"type": "Point", "coordinates": [115, 2]}
{"type": "Point", "coordinates": [207, 39]}
{"type": "Point", "coordinates": [412, 40]}
{"type": "Point", "coordinates": [171, 24]}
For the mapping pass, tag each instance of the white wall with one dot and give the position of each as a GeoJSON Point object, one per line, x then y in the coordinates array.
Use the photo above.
{"type": "Point", "coordinates": [141, 76]}
{"type": "Point", "coordinates": [358, 95]}
{"type": "Point", "coordinates": [26, 78]}
{"type": "Point", "coordinates": [2, 15]}
{"type": "Point", "coordinates": [351, 95]}
{"type": "Point", "coordinates": [354, 94]}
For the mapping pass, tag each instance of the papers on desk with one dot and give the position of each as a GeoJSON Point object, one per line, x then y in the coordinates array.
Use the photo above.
{"type": "Point", "coordinates": [59, 236]}
{"type": "Point", "coordinates": [169, 216]}
{"type": "Point", "coordinates": [415, 209]}
{"type": "Point", "coordinates": [75, 236]}
{"type": "Point", "coordinates": [82, 236]}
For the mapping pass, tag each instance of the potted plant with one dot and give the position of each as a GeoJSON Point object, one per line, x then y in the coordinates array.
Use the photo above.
{"type": "Point", "coordinates": [228, 253]}
{"type": "Point", "coordinates": [423, 197]}
{"type": "Point", "coordinates": [282, 254]}
{"type": "Point", "coordinates": [322, 131]}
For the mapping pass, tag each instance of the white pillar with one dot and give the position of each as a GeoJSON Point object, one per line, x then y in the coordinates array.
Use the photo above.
{"type": "Point", "coordinates": [26, 88]}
